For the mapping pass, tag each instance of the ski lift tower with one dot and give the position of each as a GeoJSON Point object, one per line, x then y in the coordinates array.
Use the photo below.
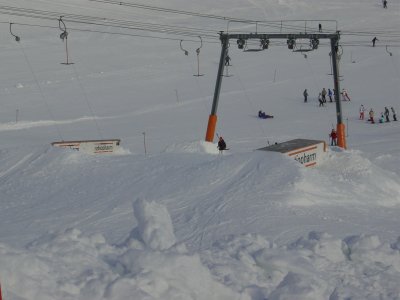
{"type": "Point", "coordinates": [291, 41]}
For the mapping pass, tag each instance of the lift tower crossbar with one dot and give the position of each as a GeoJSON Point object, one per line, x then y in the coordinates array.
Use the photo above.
{"type": "Point", "coordinates": [225, 37]}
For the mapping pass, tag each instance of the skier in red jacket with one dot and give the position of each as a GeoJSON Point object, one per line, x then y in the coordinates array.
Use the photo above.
{"type": "Point", "coordinates": [333, 137]}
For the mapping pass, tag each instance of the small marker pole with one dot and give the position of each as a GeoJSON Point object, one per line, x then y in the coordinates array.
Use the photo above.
{"type": "Point", "coordinates": [1, 298]}
{"type": "Point", "coordinates": [16, 121]}
{"type": "Point", "coordinates": [144, 143]}
{"type": "Point", "coordinates": [177, 98]}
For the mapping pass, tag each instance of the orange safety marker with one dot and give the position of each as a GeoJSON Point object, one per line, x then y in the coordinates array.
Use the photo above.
{"type": "Point", "coordinates": [341, 137]}
{"type": "Point", "coordinates": [1, 298]}
{"type": "Point", "coordinates": [212, 124]}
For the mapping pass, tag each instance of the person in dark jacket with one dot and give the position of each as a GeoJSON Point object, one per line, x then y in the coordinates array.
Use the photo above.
{"type": "Point", "coordinates": [394, 114]}
{"type": "Point", "coordinates": [305, 94]}
{"type": "Point", "coordinates": [387, 114]}
{"type": "Point", "coordinates": [263, 115]}
{"type": "Point", "coordinates": [323, 93]}
{"type": "Point", "coordinates": [374, 41]}
{"type": "Point", "coordinates": [221, 144]}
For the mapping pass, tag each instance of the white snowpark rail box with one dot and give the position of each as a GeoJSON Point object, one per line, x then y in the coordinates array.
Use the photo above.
{"type": "Point", "coordinates": [90, 146]}
{"type": "Point", "coordinates": [307, 152]}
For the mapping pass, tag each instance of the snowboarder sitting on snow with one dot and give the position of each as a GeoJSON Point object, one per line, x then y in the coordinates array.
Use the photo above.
{"type": "Point", "coordinates": [262, 115]}
{"type": "Point", "coordinates": [333, 137]}
{"type": "Point", "coordinates": [394, 114]}
{"type": "Point", "coordinates": [221, 144]}
{"type": "Point", "coordinates": [382, 118]}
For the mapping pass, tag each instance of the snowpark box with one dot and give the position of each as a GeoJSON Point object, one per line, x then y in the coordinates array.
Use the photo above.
{"type": "Point", "coordinates": [90, 146]}
{"type": "Point", "coordinates": [306, 152]}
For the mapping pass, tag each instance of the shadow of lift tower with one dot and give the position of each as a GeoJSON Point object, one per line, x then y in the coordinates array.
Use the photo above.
{"type": "Point", "coordinates": [291, 38]}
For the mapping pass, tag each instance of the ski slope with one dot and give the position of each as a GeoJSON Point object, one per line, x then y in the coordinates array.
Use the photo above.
{"type": "Point", "coordinates": [183, 221]}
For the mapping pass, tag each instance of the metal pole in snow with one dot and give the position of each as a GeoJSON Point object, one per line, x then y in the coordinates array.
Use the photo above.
{"type": "Point", "coordinates": [16, 120]}
{"type": "Point", "coordinates": [144, 143]}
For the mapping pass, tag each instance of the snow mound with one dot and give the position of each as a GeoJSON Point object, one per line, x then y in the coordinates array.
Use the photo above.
{"type": "Point", "coordinates": [348, 177]}
{"type": "Point", "coordinates": [318, 266]}
{"type": "Point", "coordinates": [154, 224]}
{"type": "Point", "coordinates": [193, 147]}
{"type": "Point", "coordinates": [70, 265]}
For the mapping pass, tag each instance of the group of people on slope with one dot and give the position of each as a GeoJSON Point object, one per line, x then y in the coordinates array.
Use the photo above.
{"type": "Point", "coordinates": [385, 116]}
{"type": "Point", "coordinates": [322, 97]}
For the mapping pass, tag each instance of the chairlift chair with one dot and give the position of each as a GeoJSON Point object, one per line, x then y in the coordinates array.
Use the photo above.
{"type": "Point", "coordinates": [247, 49]}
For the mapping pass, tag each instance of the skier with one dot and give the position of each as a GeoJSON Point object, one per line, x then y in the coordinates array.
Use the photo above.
{"type": "Point", "coordinates": [323, 93]}
{"type": "Point", "coordinates": [330, 94]}
{"type": "Point", "coordinates": [362, 110]}
{"type": "Point", "coordinates": [305, 94]}
{"type": "Point", "coordinates": [371, 116]}
{"type": "Point", "coordinates": [394, 114]}
{"type": "Point", "coordinates": [345, 95]}
{"type": "Point", "coordinates": [384, 3]}
{"type": "Point", "coordinates": [333, 137]}
{"type": "Point", "coordinates": [321, 102]}
{"type": "Point", "coordinates": [387, 114]}
{"type": "Point", "coordinates": [227, 60]}
{"type": "Point", "coordinates": [221, 144]}
{"type": "Point", "coordinates": [374, 41]}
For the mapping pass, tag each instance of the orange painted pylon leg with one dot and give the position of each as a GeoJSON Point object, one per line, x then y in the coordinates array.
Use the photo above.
{"type": "Point", "coordinates": [341, 136]}
{"type": "Point", "coordinates": [212, 124]}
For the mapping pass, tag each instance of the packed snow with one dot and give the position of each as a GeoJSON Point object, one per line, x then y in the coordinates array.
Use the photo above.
{"type": "Point", "coordinates": [167, 216]}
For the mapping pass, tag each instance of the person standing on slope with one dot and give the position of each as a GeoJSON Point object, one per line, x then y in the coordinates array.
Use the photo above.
{"type": "Point", "coordinates": [305, 94]}
{"type": "Point", "coordinates": [362, 110]}
{"type": "Point", "coordinates": [374, 41]}
{"type": "Point", "coordinates": [323, 93]}
{"type": "Point", "coordinates": [387, 114]}
{"type": "Point", "coordinates": [321, 102]}
{"type": "Point", "coordinates": [345, 95]}
{"type": "Point", "coordinates": [333, 137]}
{"type": "Point", "coordinates": [371, 116]}
{"type": "Point", "coordinates": [221, 144]}
{"type": "Point", "coordinates": [330, 94]}
{"type": "Point", "coordinates": [394, 114]}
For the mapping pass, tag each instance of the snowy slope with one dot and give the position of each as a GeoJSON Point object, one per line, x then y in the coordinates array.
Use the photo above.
{"type": "Point", "coordinates": [184, 222]}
